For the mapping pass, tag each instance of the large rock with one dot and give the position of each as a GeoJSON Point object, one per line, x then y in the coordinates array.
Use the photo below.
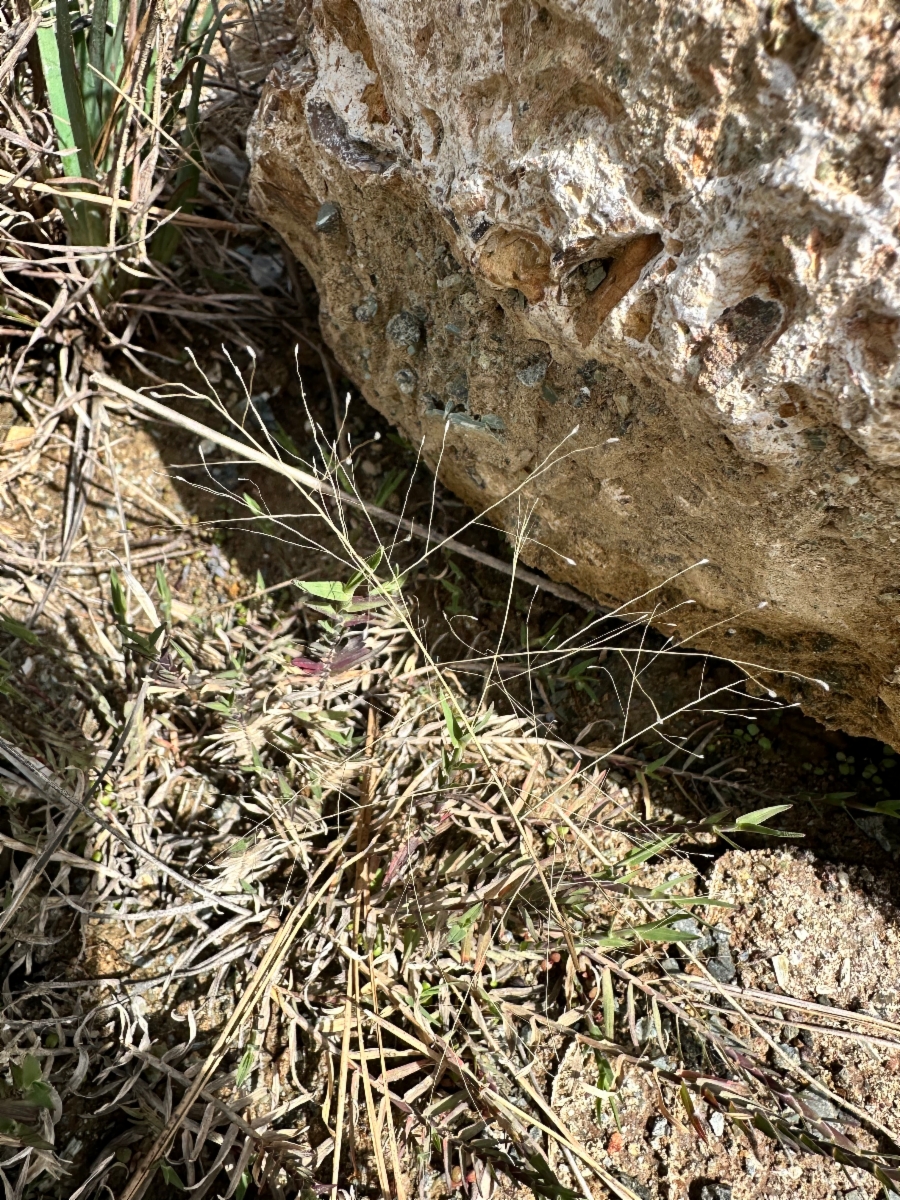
{"type": "Point", "coordinates": [671, 224]}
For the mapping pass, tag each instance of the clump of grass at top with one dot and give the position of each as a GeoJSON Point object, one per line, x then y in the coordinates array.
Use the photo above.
{"type": "Point", "coordinates": [121, 82]}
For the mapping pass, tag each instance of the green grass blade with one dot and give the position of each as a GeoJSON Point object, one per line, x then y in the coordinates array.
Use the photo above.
{"type": "Point", "coordinates": [71, 92]}
{"type": "Point", "coordinates": [97, 37]}
{"type": "Point", "coordinates": [96, 57]}
{"type": "Point", "coordinates": [56, 96]}
{"type": "Point", "coordinates": [187, 178]}
{"type": "Point", "coordinates": [82, 221]}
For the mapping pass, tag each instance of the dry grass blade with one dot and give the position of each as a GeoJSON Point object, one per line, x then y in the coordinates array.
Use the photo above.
{"type": "Point", "coordinates": [261, 981]}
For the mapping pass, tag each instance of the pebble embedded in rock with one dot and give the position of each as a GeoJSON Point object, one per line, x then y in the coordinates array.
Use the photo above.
{"type": "Point", "coordinates": [458, 388]}
{"type": "Point", "coordinates": [406, 381]}
{"type": "Point", "coordinates": [532, 374]}
{"type": "Point", "coordinates": [715, 1191]}
{"type": "Point", "coordinates": [405, 330]}
{"type": "Point", "coordinates": [594, 276]}
{"type": "Point", "coordinates": [328, 218]}
{"type": "Point", "coordinates": [367, 311]}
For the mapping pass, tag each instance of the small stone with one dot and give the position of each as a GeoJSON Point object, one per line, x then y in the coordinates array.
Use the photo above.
{"type": "Point", "coordinates": [266, 269]}
{"type": "Point", "coordinates": [715, 1191]}
{"type": "Point", "coordinates": [660, 1128]}
{"type": "Point", "coordinates": [594, 277]}
{"type": "Point", "coordinates": [458, 388]}
{"type": "Point", "coordinates": [328, 218]}
{"type": "Point", "coordinates": [722, 968]}
{"type": "Point", "coordinates": [464, 420]}
{"type": "Point", "coordinates": [703, 940]}
{"type": "Point", "coordinates": [494, 423]}
{"type": "Point", "coordinates": [820, 1105]}
{"type": "Point", "coordinates": [403, 329]}
{"type": "Point", "coordinates": [665, 1063]}
{"type": "Point", "coordinates": [533, 374]}
{"type": "Point", "coordinates": [781, 967]}
{"type": "Point", "coordinates": [549, 394]}
{"type": "Point", "coordinates": [367, 311]}
{"type": "Point", "coordinates": [581, 397]}
{"type": "Point", "coordinates": [406, 381]}
{"type": "Point", "coordinates": [717, 1123]}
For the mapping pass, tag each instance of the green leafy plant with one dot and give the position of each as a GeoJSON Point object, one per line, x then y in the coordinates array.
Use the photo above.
{"type": "Point", "coordinates": [144, 644]}
{"type": "Point", "coordinates": [115, 79]}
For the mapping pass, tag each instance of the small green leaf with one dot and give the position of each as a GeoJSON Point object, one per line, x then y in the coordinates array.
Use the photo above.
{"type": "Point", "coordinates": [183, 655]}
{"type": "Point", "coordinates": [165, 594]}
{"type": "Point", "coordinates": [325, 589]}
{"type": "Point", "coordinates": [662, 931]}
{"type": "Point", "coordinates": [170, 1175]}
{"type": "Point", "coordinates": [606, 1076]}
{"type": "Point", "coordinates": [760, 816]}
{"type": "Point", "coordinates": [245, 1066]}
{"type": "Point", "coordinates": [31, 1071]}
{"type": "Point", "coordinates": [117, 595]}
{"type": "Point", "coordinates": [17, 629]}
{"type": "Point", "coordinates": [459, 930]}
{"type": "Point", "coordinates": [649, 851]}
{"type": "Point", "coordinates": [252, 505]}
{"type": "Point", "coordinates": [40, 1094]}
{"type": "Point", "coordinates": [30, 1137]}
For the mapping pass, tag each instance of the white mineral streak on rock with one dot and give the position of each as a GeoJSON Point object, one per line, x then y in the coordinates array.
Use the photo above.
{"type": "Point", "coordinates": [734, 169]}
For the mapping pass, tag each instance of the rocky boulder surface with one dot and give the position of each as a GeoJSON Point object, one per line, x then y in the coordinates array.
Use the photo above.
{"type": "Point", "coordinates": [653, 243]}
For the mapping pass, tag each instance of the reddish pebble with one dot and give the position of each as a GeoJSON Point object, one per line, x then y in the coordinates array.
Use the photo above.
{"type": "Point", "coordinates": [615, 1143]}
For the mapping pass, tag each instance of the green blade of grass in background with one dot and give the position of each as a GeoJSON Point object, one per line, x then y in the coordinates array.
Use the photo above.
{"type": "Point", "coordinates": [57, 51]}
{"type": "Point", "coordinates": [93, 84]}
{"type": "Point", "coordinates": [67, 102]}
{"type": "Point", "coordinates": [187, 177]}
